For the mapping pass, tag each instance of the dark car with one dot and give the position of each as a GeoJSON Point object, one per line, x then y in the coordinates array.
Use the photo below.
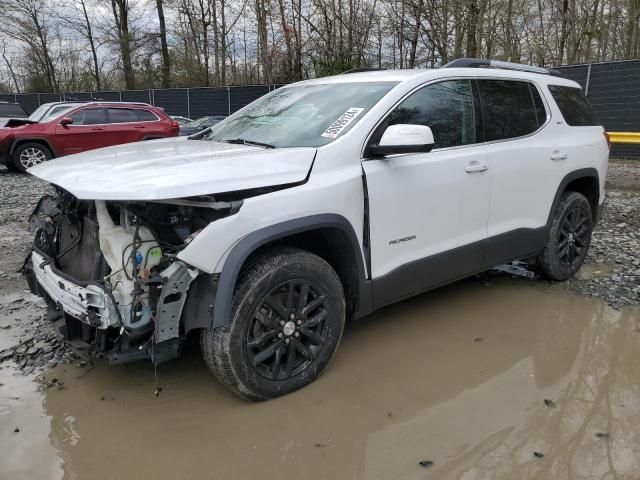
{"type": "Point", "coordinates": [66, 128]}
{"type": "Point", "coordinates": [200, 124]}
{"type": "Point", "coordinates": [11, 110]}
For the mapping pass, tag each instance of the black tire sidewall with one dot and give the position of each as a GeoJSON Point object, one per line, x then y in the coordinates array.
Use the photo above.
{"type": "Point", "coordinates": [551, 265]}
{"type": "Point", "coordinates": [19, 149]}
{"type": "Point", "coordinates": [323, 279]}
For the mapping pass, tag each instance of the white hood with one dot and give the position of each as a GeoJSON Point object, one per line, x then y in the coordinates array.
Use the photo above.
{"type": "Point", "coordinates": [174, 168]}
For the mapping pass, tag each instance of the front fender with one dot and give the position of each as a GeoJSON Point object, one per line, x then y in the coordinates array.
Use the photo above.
{"type": "Point", "coordinates": [249, 244]}
{"type": "Point", "coordinates": [17, 141]}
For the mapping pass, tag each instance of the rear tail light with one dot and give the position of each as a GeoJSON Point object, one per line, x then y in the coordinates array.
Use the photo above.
{"type": "Point", "coordinates": [175, 124]}
{"type": "Point", "coordinates": [606, 135]}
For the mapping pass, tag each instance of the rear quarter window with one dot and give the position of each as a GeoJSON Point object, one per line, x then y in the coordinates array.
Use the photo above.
{"type": "Point", "coordinates": [147, 116]}
{"type": "Point", "coordinates": [574, 106]}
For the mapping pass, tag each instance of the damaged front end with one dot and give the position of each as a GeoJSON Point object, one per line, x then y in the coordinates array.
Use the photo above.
{"type": "Point", "coordinates": [109, 271]}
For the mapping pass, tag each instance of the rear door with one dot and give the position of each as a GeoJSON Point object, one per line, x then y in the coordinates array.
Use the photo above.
{"type": "Point", "coordinates": [124, 125]}
{"type": "Point", "coordinates": [87, 132]}
{"type": "Point", "coordinates": [526, 165]}
{"type": "Point", "coordinates": [153, 125]}
{"type": "Point", "coordinates": [428, 211]}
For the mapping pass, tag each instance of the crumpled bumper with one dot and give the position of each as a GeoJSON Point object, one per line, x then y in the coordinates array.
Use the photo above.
{"type": "Point", "coordinates": [89, 303]}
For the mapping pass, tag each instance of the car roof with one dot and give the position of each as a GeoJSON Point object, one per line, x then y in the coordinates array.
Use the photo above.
{"type": "Point", "coordinates": [400, 76]}
{"type": "Point", "coordinates": [98, 102]}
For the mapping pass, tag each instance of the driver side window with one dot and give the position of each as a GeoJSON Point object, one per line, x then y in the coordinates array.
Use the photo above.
{"type": "Point", "coordinates": [446, 107]}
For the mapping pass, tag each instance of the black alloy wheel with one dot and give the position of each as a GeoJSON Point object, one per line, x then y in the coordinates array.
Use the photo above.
{"type": "Point", "coordinates": [287, 330]}
{"type": "Point", "coordinates": [569, 237]}
{"type": "Point", "coordinates": [288, 314]}
{"type": "Point", "coordinates": [573, 236]}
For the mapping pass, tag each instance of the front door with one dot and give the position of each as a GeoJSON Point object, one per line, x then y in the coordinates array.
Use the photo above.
{"type": "Point", "coordinates": [428, 211]}
{"type": "Point", "coordinates": [87, 132]}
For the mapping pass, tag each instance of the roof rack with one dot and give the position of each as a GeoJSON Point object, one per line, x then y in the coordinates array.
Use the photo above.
{"type": "Point", "coordinates": [362, 69]}
{"type": "Point", "coordinates": [484, 63]}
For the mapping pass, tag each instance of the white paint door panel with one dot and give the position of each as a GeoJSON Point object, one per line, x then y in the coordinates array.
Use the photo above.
{"type": "Point", "coordinates": [424, 204]}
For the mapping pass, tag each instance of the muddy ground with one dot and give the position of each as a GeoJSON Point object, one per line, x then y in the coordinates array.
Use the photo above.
{"type": "Point", "coordinates": [491, 378]}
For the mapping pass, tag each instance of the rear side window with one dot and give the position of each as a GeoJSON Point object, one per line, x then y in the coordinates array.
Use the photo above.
{"type": "Point", "coordinates": [122, 115]}
{"type": "Point", "coordinates": [12, 110]}
{"type": "Point", "coordinates": [89, 116]}
{"type": "Point", "coordinates": [510, 109]}
{"type": "Point", "coordinates": [147, 116]}
{"type": "Point", "coordinates": [446, 107]}
{"type": "Point", "coordinates": [574, 106]}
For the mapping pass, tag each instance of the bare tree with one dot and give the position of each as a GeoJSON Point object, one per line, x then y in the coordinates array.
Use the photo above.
{"type": "Point", "coordinates": [166, 58]}
{"type": "Point", "coordinates": [120, 9]}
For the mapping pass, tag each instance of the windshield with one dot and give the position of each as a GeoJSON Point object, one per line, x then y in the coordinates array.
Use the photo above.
{"type": "Point", "coordinates": [302, 116]}
{"type": "Point", "coordinates": [39, 112]}
{"type": "Point", "coordinates": [197, 123]}
{"type": "Point", "coordinates": [46, 112]}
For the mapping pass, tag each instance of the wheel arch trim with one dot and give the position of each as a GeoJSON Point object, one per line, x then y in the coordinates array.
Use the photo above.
{"type": "Point", "coordinates": [249, 244]}
{"type": "Point", "coordinates": [568, 178]}
{"type": "Point", "coordinates": [18, 141]}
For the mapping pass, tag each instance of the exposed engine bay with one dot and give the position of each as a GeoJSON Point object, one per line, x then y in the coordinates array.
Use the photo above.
{"type": "Point", "coordinates": [109, 271]}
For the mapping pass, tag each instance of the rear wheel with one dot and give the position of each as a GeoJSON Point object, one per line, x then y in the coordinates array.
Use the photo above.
{"type": "Point", "coordinates": [288, 317]}
{"type": "Point", "coordinates": [29, 155]}
{"type": "Point", "coordinates": [569, 237]}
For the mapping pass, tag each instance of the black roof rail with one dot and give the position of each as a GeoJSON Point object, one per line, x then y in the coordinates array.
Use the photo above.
{"type": "Point", "coordinates": [362, 69]}
{"type": "Point", "coordinates": [485, 63]}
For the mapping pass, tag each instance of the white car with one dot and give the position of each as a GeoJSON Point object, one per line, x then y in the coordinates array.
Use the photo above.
{"type": "Point", "coordinates": [322, 201]}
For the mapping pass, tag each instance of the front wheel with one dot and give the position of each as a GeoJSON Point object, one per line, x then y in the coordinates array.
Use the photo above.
{"type": "Point", "coordinates": [29, 155]}
{"type": "Point", "coordinates": [569, 237]}
{"type": "Point", "coordinates": [287, 320]}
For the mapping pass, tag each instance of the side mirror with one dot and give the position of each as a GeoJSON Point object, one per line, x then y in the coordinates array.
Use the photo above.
{"type": "Point", "coordinates": [404, 138]}
{"type": "Point", "coordinates": [66, 121]}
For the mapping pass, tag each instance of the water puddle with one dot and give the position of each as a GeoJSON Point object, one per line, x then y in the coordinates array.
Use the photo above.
{"type": "Point", "coordinates": [591, 271]}
{"type": "Point", "coordinates": [456, 377]}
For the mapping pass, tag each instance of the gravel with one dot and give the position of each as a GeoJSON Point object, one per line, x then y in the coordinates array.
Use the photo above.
{"type": "Point", "coordinates": [26, 337]}
{"type": "Point", "coordinates": [611, 271]}
{"type": "Point", "coordinates": [613, 260]}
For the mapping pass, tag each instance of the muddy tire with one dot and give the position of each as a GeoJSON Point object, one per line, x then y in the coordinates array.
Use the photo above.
{"type": "Point", "coordinates": [569, 238]}
{"type": "Point", "coordinates": [287, 319]}
{"type": "Point", "coordinates": [30, 154]}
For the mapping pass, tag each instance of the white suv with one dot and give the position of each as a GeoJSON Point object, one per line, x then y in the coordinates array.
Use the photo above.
{"type": "Point", "coordinates": [320, 202]}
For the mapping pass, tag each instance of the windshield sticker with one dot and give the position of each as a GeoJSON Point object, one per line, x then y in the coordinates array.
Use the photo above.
{"type": "Point", "coordinates": [343, 121]}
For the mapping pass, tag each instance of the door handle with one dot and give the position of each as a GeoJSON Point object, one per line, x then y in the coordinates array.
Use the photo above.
{"type": "Point", "coordinates": [559, 156]}
{"type": "Point", "coordinates": [476, 167]}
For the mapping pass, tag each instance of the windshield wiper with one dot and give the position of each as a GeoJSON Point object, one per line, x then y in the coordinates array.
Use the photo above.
{"type": "Point", "coordinates": [244, 141]}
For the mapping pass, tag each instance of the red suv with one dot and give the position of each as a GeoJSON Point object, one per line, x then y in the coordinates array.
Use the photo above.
{"type": "Point", "coordinates": [66, 128]}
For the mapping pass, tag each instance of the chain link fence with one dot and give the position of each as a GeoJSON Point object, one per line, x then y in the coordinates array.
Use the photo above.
{"type": "Point", "coordinates": [187, 102]}
{"type": "Point", "coordinates": [612, 87]}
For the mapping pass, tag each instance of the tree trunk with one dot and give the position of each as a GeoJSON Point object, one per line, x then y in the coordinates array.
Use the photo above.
{"type": "Point", "coordinates": [166, 59]}
{"type": "Point", "coordinates": [472, 26]}
{"type": "Point", "coordinates": [121, 17]}
{"type": "Point", "coordinates": [563, 30]}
